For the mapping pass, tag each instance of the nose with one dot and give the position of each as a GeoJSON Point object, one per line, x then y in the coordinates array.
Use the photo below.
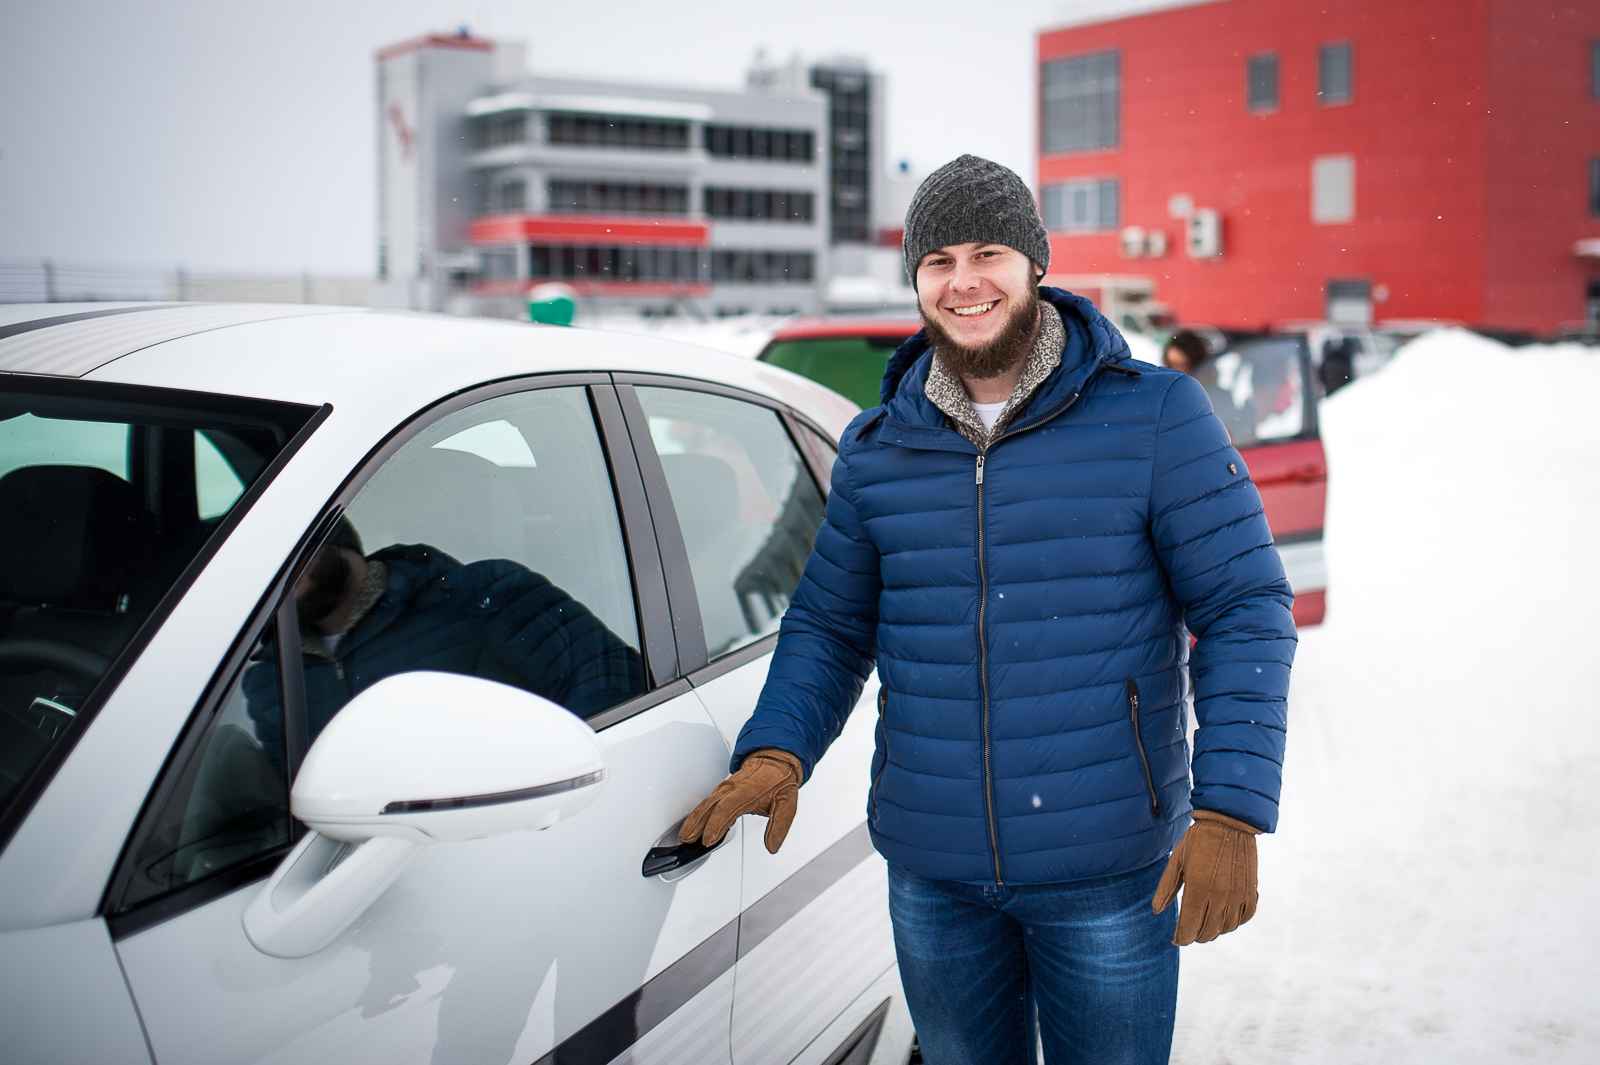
{"type": "Point", "coordinates": [965, 277]}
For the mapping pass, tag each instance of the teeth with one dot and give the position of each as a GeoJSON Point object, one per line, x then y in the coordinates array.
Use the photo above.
{"type": "Point", "coordinates": [978, 309]}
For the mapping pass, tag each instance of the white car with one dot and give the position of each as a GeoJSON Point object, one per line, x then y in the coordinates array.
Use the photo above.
{"type": "Point", "coordinates": [533, 577]}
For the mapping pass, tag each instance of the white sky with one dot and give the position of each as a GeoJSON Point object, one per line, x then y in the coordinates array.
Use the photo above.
{"type": "Point", "coordinates": [230, 135]}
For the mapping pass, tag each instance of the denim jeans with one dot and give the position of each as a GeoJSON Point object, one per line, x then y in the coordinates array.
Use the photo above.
{"type": "Point", "coordinates": [975, 959]}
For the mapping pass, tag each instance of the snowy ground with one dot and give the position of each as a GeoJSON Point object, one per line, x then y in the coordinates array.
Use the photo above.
{"type": "Point", "coordinates": [1430, 895]}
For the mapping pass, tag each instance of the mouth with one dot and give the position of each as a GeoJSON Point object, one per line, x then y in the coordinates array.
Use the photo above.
{"type": "Point", "coordinates": [974, 310]}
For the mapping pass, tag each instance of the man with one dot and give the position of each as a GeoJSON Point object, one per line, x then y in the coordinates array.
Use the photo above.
{"type": "Point", "coordinates": [1186, 351]}
{"type": "Point", "coordinates": [1022, 539]}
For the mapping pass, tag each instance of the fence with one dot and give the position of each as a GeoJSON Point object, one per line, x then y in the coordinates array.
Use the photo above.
{"type": "Point", "coordinates": [69, 281]}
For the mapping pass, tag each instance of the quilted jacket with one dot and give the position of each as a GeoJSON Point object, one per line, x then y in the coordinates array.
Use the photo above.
{"type": "Point", "coordinates": [1029, 612]}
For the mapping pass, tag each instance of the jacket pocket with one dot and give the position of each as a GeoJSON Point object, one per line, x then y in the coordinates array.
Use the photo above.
{"type": "Point", "coordinates": [1138, 745]}
{"type": "Point", "coordinates": [883, 706]}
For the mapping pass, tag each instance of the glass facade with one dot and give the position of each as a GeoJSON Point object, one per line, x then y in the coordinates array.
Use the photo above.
{"type": "Point", "coordinates": [762, 205]}
{"type": "Point", "coordinates": [747, 142]}
{"type": "Point", "coordinates": [617, 131]}
{"type": "Point", "coordinates": [850, 137]}
{"type": "Point", "coordinates": [616, 197]}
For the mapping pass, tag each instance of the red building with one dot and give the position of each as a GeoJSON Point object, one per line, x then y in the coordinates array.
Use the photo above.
{"type": "Point", "coordinates": [1400, 159]}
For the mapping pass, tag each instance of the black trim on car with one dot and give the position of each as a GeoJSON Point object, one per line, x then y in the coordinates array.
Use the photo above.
{"type": "Point", "coordinates": [681, 594]}
{"type": "Point", "coordinates": [639, 533]}
{"type": "Point", "coordinates": [496, 798]}
{"type": "Point", "coordinates": [179, 406]}
{"type": "Point", "coordinates": [62, 319]}
{"type": "Point", "coordinates": [734, 659]}
{"type": "Point", "coordinates": [859, 1044]}
{"type": "Point", "coordinates": [639, 704]}
{"type": "Point", "coordinates": [624, 1024]}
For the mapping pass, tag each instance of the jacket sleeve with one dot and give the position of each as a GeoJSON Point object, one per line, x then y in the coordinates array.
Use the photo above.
{"type": "Point", "coordinates": [1213, 541]}
{"type": "Point", "coordinates": [828, 642]}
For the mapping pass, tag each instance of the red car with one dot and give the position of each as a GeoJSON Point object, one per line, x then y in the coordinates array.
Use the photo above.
{"type": "Point", "coordinates": [1264, 388]}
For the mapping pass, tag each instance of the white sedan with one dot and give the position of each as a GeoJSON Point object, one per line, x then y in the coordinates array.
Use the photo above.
{"type": "Point", "coordinates": [528, 580]}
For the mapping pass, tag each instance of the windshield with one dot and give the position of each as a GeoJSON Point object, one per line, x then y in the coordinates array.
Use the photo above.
{"type": "Point", "coordinates": [103, 503]}
{"type": "Point", "coordinates": [851, 366]}
{"type": "Point", "coordinates": [1258, 389]}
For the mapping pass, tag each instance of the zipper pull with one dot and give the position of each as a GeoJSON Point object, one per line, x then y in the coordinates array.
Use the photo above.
{"type": "Point", "coordinates": [980, 469]}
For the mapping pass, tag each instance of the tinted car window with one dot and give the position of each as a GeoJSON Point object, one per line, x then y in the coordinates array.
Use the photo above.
{"type": "Point", "coordinates": [1258, 389]}
{"type": "Point", "coordinates": [748, 508]}
{"type": "Point", "coordinates": [103, 503]}
{"type": "Point", "coordinates": [488, 545]}
{"type": "Point", "coordinates": [851, 366]}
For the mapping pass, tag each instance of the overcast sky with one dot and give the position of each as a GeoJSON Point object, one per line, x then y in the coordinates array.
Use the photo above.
{"type": "Point", "coordinates": [228, 135]}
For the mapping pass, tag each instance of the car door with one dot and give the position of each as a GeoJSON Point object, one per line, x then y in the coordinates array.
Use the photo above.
{"type": "Point", "coordinates": [504, 534]}
{"type": "Point", "coordinates": [1264, 391]}
{"type": "Point", "coordinates": [814, 931]}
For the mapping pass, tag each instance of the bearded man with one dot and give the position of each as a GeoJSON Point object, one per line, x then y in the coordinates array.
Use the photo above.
{"type": "Point", "coordinates": [1022, 540]}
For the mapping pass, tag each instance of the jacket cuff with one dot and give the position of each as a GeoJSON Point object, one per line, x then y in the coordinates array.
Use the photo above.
{"type": "Point", "coordinates": [1224, 819]}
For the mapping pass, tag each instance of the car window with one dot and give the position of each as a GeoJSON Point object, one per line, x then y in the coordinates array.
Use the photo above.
{"type": "Point", "coordinates": [748, 507]}
{"type": "Point", "coordinates": [488, 545]}
{"type": "Point", "coordinates": [230, 804]}
{"type": "Point", "coordinates": [1258, 389]}
{"type": "Point", "coordinates": [105, 503]}
{"type": "Point", "coordinates": [851, 366]}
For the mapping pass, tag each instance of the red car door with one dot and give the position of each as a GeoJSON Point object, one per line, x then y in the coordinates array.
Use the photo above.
{"type": "Point", "coordinates": [1263, 389]}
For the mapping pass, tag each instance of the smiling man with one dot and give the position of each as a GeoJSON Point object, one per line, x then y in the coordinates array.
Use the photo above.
{"type": "Point", "coordinates": [1022, 539]}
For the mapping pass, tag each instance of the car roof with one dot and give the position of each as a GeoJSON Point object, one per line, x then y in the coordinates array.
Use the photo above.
{"type": "Point", "coordinates": [384, 364]}
{"type": "Point", "coordinates": [819, 328]}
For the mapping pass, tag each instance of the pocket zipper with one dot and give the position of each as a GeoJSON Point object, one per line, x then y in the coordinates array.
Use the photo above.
{"type": "Point", "coordinates": [883, 705]}
{"type": "Point", "coordinates": [1138, 743]}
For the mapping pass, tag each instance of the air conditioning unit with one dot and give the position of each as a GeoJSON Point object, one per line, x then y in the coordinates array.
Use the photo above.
{"type": "Point", "coordinates": [1204, 234]}
{"type": "Point", "coordinates": [1132, 242]}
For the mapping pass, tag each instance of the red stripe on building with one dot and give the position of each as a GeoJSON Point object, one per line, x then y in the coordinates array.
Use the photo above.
{"type": "Point", "coordinates": [437, 40]}
{"type": "Point", "coordinates": [670, 289]}
{"type": "Point", "coordinates": [586, 229]}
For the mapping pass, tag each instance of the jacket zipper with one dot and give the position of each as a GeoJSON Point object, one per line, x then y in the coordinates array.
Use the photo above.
{"type": "Point", "coordinates": [983, 680]}
{"type": "Point", "coordinates": [1138, 743]}
{"type": "Point", "coordinates": [883, 706]}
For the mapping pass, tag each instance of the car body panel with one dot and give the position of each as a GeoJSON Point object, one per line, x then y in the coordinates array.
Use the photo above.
{"type": "Point", "coordinates": [63, 1000]}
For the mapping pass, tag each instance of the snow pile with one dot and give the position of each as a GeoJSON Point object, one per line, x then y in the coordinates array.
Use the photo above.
{"type": "Point", "coordinates": [1430, 894]}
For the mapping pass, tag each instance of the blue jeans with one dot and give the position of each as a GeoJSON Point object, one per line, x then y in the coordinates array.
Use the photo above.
{"type": "Point", "coordinates": [976, 958]}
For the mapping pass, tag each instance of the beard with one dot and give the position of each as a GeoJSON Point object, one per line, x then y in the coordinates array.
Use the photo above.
{"type": "Point", "coordinates": [329, 578]}
{"type": "Point", "coordinates": [1010, 346]}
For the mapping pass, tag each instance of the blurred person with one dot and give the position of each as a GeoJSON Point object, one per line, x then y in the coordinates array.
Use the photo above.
{"type": "Point", "coordinates": [411, 606]}
{"type": "Point", "coordinates": [1186, 351]}
{"type": "Point", "coordinates": [1338, 363]}
{"type": "Point", "coordinates": [1020, 539]}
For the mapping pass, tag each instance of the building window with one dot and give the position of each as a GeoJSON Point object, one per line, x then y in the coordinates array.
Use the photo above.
{"type": "Point", "coordinates": [1333, 189]}
{"type": "Point", "coordinates": [1335, 74]}
{"type": "Point", "coordinates": [499, 264]}
{"type": "Point", "coordinates": [761, 205]}
{"type": "Point", "coordinates": [615, 197]}
{"type": "Point", "coordinates": [850, 135]}
{"type": "Point", "coordinates": [746, 142]}
{"type": "Point", "coordinates": [1261, 82]}
{"type": "Point", "coordinates": [763, 267]}
{"type": "Point", "coordinates": [506, 195]}
{"type": "Point", "coordinates": [601, 263]}
{"type": "Point", "coordinates": [1594, 187]}
{"type": "Point", "coordinates": [580, 130]}
{"type": "Point", "coordinates": [493, 131]}
{"type": "Point", "coordinates": [1082, 206]}
{"type": "Point", "coordinates": [1079, 102]}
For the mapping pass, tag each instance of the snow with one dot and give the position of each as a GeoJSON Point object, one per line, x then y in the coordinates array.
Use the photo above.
{"type": "Point", "coordinates": [1430, 895]}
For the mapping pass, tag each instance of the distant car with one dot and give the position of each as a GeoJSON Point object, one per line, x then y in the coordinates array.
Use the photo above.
{"type": "Point", "coordinates": [356, 670]}
{"type": "Point", "coordinates": [1265, 389]}
{"type": "Point", "coordinates": [847, 354]}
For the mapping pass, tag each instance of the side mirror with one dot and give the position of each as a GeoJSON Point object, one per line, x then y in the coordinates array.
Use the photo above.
{"type": "Point", "coordinates": [415, 759]}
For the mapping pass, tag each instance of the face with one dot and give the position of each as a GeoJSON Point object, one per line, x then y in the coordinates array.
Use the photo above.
{"type": "Point", "coordinates": [1176, 359]}
{"type": "Point", "coordinates": [972, 291]}
{"type": "Point", "coordinates": [322, 586]}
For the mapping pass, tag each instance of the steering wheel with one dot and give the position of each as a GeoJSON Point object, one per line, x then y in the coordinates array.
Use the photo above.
{"type": "Point", "coordinates": [28, 654]}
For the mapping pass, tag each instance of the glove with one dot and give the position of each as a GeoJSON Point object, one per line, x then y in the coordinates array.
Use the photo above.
{"type": "Point", "coordinates": [1215, 863]}
{"type": "Point", "coordinates": [767, 783]}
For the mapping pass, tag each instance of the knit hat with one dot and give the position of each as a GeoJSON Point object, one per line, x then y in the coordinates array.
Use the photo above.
{"type": "Point", "coordinates": [969, 201]}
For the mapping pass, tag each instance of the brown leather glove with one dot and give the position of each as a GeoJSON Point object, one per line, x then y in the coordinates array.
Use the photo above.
{"type": "Point", "coordinates": [767, 783]}
{"type": "Point", "coordinates": [1215, 862]}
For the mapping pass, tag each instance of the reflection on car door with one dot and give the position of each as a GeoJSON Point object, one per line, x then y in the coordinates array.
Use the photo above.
{"type": "Point", "coordinates": [814, 930]}
{"type": "Point", "coordinates": [489, 543]}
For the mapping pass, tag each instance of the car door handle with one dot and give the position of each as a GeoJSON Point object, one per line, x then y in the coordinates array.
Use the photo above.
{"type": "Point", "coordinates": [666, 859]}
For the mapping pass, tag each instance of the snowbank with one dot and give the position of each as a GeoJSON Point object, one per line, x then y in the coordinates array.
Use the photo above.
{"type": "Point", "coordinates": [1430, 894]}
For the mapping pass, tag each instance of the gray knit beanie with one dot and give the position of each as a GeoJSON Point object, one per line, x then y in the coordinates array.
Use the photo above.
{"type": "Point", "coordinates": [969, 201]}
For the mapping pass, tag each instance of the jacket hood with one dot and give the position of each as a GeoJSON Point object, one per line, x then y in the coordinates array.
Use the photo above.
{"type": "Point", "coordinates": [1091, 340]}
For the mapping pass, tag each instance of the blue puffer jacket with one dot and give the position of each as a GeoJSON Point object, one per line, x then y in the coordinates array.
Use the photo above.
{"type": "Point", "coordinates": [1031, 629]}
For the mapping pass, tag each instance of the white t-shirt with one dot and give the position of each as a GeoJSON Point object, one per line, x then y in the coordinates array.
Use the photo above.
{"type": "Point", "coordinates": [989, 413]}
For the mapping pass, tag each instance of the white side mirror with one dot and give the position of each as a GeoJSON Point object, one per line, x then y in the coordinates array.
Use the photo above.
{"type": "Point", "coordinates": [417, 758]}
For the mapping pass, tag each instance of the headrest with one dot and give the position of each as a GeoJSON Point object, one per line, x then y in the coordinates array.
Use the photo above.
{"type": "Point", "coordinates": [705, 492]}
{"type": "Point", "coordinates": [69, 536]}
